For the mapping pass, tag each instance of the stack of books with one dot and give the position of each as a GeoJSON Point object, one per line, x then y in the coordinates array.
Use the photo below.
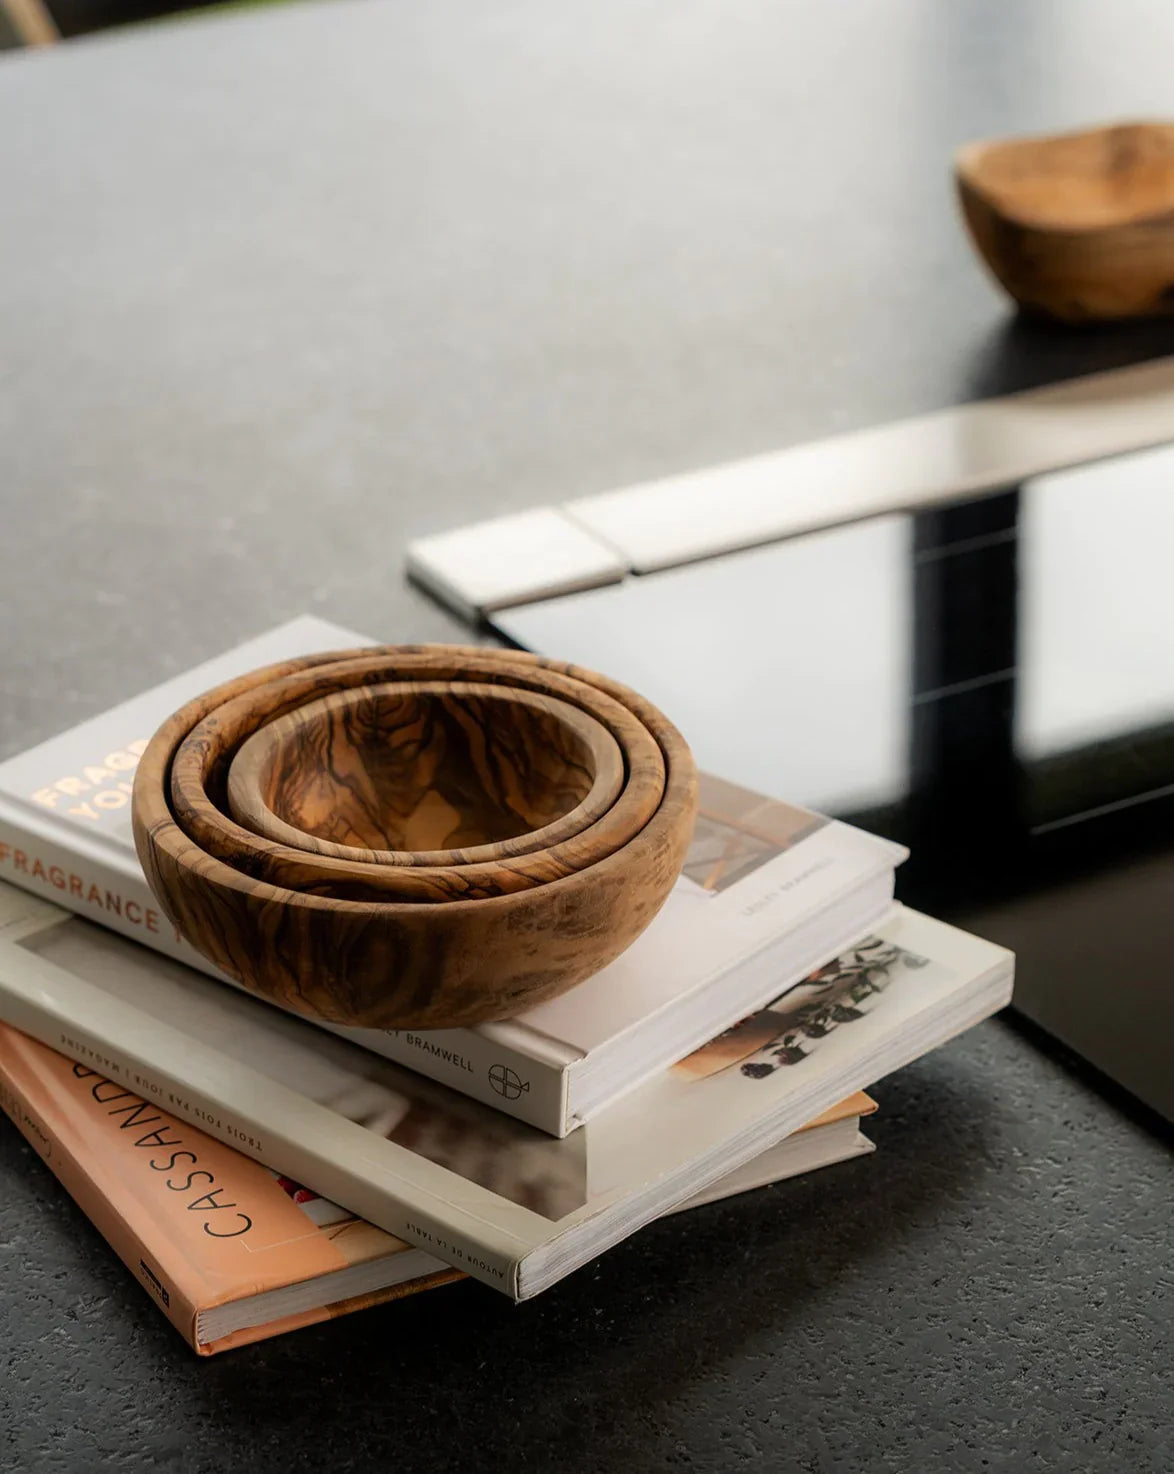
{"type": "Point", "coordinates": [258, 1171]}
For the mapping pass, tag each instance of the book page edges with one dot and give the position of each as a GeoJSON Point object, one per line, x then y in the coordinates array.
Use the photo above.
{"type": "Point", "coordinates": [249, 1335]}
{"type": "Point", "coordinates": [858, 1104]}
{"type": "Point", "coordinates": [299, 1138]}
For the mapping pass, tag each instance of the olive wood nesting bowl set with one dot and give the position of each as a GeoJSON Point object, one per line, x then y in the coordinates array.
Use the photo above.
{"type": "Point", "coordinates": [414, 836]}
{"type": "Point", "coordinates": [1077, 226]}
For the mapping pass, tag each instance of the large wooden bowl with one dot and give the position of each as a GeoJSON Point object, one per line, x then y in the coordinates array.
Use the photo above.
{"type": "Point", "coordinates": [204, 761]}
{"type": "Point", "coordinates": [400, 964]}
{"type": "Point", "coordinates": [1077, 226]}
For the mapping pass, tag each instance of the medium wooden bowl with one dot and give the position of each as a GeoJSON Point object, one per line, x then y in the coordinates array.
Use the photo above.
{"type": "Point", "coordinates": [395, 964]}
{"type": "Point", "coordinates": [1077, 226]}
{"type": "Point", "coordinates": [455, 771]}
{"type": "Point", "coordinates": [203, 762]}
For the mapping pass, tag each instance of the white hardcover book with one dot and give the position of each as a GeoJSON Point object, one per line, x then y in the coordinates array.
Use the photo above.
{"type": "Point", "coordinates": [768, 892]}
{"type": "Point", "coordinates": [513, 1207]}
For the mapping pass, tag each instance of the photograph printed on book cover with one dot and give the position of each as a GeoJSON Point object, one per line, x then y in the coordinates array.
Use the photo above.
{"type": "Point", "coordinates": [550, 1176]}
{"type": "Point", "coordinates": [738, 831]}
{"type": "Point", "coordinates": [789, 1029]}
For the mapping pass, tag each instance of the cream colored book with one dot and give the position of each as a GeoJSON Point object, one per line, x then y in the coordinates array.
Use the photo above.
{"type": "Point", "coordinates": [477, 1189]}
{"type": "Point", "coordinates": [233, 1253]}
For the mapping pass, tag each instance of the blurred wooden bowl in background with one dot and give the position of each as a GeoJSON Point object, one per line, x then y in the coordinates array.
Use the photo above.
{"type": "Point", "coordinates": [1076, 226]}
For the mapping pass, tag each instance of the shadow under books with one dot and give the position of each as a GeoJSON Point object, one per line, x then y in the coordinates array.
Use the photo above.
{"type": "Point", "coordinates": [651, 1317]}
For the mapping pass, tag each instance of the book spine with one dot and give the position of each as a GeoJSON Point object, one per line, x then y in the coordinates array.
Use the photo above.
{"type": "Point", "coordinates": [93, 883]}
{"type": "Point", "coordinates": [87, 881]}
{"type": "Point", "coordinates": [488, 1070]}
{"type": "Point", "coordinates": [49, 1134]}
{"type": "Point", "coordinates": [273, 1130]}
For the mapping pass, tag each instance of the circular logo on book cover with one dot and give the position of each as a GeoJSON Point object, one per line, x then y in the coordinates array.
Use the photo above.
{"type": "Point", "coordinates": [506, 1083]}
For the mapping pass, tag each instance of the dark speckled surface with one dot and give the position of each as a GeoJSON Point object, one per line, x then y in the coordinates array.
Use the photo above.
{"type": "Point", "coordinates": [990, 1290]}
{"type": "Point", "coordinates": [281, 290]}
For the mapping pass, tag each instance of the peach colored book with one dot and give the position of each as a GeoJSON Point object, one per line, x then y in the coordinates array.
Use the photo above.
{"type": "Point", "coordinates": [230, 1252]}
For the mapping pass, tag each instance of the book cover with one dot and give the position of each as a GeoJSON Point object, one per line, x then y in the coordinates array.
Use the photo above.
{"type": "Point", "coordinates": [199, 1225]}
{"type": "Point", "coordinates": [476, 1188]}
{"type": "Point", "coordinates": [232, 1252]}
{"type": "Point", "coordinates": [768, 892]}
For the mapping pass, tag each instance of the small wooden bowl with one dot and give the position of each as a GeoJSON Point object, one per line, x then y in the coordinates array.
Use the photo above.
{"type": "Point", "coordinates": [277, 767]}
{"type": "Point", "coordinates": [1077, 226]}
{"type": "Point", "coordinates": [426, 772]}
{"type": "Point", "coordinates": [394, 964]}
{"type": "Point", "coordinates": [204, 760]}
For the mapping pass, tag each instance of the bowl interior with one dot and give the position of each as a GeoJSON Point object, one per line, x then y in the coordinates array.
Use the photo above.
{"type": "Point", "coordinates": [1078, 181]}
{"type": "Point", "coordinates": [432, 767]}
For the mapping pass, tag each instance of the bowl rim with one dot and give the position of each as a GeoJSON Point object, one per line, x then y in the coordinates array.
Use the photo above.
{"type": "Point", "coordinates": [156, 828]}
{"type": "Point", "coordinates": [217, 834]}
{"type": "Point", "coordinates": [967, 161]}
{"type": "Point", "coordinates": [248, 807]}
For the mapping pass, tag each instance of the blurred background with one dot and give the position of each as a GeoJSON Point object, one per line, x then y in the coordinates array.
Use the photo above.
{"type": "Point", "coordinates": [36, 22]}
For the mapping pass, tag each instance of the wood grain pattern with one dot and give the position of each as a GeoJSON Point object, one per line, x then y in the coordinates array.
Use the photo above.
{"type": "Point", "coordinates": [395, 964]}
{"type": "Point", "coordinates": [205, 756]}
{"type": "Point", "coordinates": [1079, 226]}
{"type": "Point", "coordinates": [460, 772]}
